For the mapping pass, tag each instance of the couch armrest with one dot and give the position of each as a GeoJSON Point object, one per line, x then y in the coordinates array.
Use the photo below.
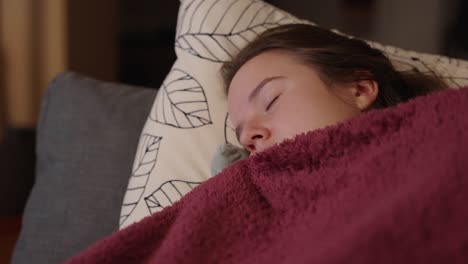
{"type": "Point", "coordinates": [87, 136]}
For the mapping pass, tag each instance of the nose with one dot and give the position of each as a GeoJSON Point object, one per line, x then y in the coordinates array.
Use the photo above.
{"type": "Point", "coordinates": [255, 138]}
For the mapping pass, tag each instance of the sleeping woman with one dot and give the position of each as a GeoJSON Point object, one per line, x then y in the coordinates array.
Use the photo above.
{"type": "Point", "coordinates": [297, 78]}
{"type": "Point", "coordinates": [388, 186]}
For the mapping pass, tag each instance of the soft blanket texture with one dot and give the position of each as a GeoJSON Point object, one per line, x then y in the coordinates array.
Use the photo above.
{"type": "Point", "coordinates": [389, 186]}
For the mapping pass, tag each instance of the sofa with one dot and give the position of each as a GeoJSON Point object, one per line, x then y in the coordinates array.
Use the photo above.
{"type": "Point", "coordinates": [89, 131]}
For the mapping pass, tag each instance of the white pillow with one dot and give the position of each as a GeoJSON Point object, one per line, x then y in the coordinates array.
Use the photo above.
{"type": "Point", "coordinates": [189, 119]}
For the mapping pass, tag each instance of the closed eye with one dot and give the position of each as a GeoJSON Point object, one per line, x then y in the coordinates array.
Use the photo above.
{"type": "Point", "coordinates": [272, 102]}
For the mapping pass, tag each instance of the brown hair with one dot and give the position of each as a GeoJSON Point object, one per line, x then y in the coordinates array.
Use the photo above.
{"type": "Point", "coordinates": [338, 59]}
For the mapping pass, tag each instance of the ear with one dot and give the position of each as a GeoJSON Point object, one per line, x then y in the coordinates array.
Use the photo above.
{"type": "Point", "coordinates": [364, 93]}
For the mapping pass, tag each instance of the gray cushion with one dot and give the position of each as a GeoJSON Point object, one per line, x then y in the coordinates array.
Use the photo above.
{"type": "Point", "coordinates": [86, 141]}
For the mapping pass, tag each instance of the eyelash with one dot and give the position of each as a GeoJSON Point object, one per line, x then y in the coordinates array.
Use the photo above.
{"type": "Point", "coordinates": [272, 102]}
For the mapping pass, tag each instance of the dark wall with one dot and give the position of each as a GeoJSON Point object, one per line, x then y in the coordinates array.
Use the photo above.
{"type": "Point", "coordinates": [146, 36]}
{"type": "Point", "coordinates": [17, 163]}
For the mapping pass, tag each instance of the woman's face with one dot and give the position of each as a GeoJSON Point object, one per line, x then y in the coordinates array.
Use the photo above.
{"type": "Point", "coordinates": [274, 97]}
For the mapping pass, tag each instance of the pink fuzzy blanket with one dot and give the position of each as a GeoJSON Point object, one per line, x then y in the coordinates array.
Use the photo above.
{"type": "Point", "coordinates": [390, 186]}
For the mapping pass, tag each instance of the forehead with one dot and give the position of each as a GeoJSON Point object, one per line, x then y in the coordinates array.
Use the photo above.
{"type": "Point", "coordinates": [264, 65]}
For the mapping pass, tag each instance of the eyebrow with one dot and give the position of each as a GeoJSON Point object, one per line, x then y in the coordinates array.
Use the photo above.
{"type": "Point", "coordinates": [253, 95]}
{"type": "Point", "coordinates": [260, 86]}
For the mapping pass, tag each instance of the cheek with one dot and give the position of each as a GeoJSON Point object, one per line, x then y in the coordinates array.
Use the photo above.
{"type": "Point", "coordinates": [317, 114]}
{"type": "Point", "coordinates": [292, 120]}
{"type": "Point", "coordinates": [299, 116]}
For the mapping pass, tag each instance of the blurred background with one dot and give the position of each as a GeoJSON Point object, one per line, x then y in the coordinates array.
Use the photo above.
{"type": "Point", "coordinates": [132, 42]}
